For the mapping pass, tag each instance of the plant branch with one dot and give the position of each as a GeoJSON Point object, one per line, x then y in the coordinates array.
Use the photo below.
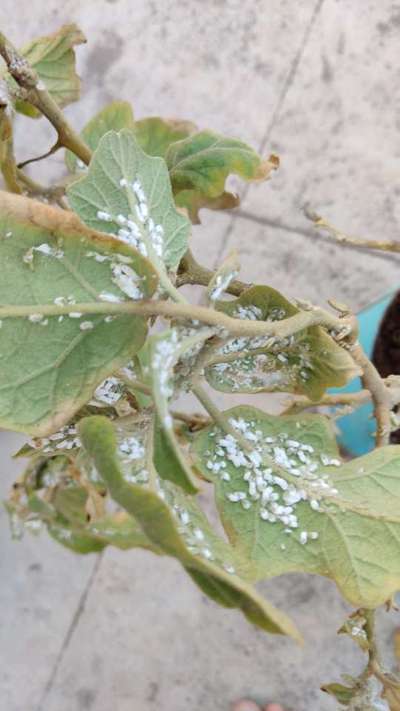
{"type": "Point", "coordinates": [48, 153]}
{"type": "Point", "coordinates": [233, 326]}
{"type": "Point", "coordinates": [32, 90]}
{"type": "Point", "coordinates": [191, 272]}
{"type": "Point", "coordinates": [219, 417]}
{"type": "Point", "coordinates": [341, 237]}
{"type": "Point", "coordinates": [381, 398]}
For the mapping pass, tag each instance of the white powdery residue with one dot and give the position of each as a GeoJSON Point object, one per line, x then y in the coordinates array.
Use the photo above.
{"type": "Point", "coordinates": [251, 312]}
{"type": "Point", "coordinates": [275, 497]}
{"type": "Point", "coordinates": [108, 296]}
{"type": "Point", "coordinates": [98, 257]}
{"type": "Point", "coordinates": [109, 391]}
{"type": "Point", "coordinates": [65, 438]}
{"type": "Point", "coordinates": [48, 251]}
{"type": "Point", "coordinates": [132, 448]}
{"type": "Point", "coordinates": [162, 362]}
{"type": "Point", "coordinates": [35, 318]}
{"type": "Point", "coordinates": [104, 216]}
{"type": "Point", "coordinates": [221, 284]}
{"type": "Point", "coordinates": [126, 280]}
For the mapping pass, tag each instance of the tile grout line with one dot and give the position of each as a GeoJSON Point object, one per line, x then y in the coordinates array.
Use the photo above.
{"type": "Point", "coordinates": [281, 100]}
{"type": "Point", "coordinates": [70, 632]}
{"type": "Point", "coordinates": [284, 227]}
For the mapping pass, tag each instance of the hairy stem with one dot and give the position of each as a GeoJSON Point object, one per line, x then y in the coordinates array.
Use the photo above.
{"type": "Point", "coordinates": [219, 417]}
{"type": "Point", "coordinates": [191, 272]}
{"type": "Point", "coordinates": [381, 398]}
{"type": "Point", "coordinates": [32, 90]}
{"type": "Point", "coordinates": [233, 326]}
{"type": "Point", "coordinates": [341, 237]}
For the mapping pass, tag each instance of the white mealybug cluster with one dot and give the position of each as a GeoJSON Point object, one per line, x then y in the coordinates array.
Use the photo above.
{"type": "Point", "coordinates": [65, 438]}
{"type": "Point", "coordinates": [137, 229]}
{"type": "Point", "coordinates": [194, 536]}
{"type": "Point", "coordinates": [281, 363]}
{"type": "Point", "coordinates": [163, 359]}
{"type": "Point", "coordinates": [127, 280]}
{"type": "Point", "coordinates": [109, 391]}
{"type": "Point", "coordinates": [44, 249]}
{"type": "Point", "coordinates": [268, 489]}
{"type": "Point", "coordinates": [222, 282]}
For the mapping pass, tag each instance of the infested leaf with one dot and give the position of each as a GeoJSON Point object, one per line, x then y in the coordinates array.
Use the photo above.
{"type": "Point", "coordinates": [53, 58]}
{"type": "Point", "coordinates": [307, 362]}
{"type": "Point", "coordinates": [50, 366]}
{"type": "Point", "coordinates": [354, 626]}
{"type": "Point", "coordinates": [155, 134]}
{"type": "Point", "coordinates": [128, 194]}
{"type": "Point", "coordinates": [165, 352]}
{"type": "Point", "coordinates": [113, 117]}
{"type": "Point", "coordinates": [292, 505]}
{"type": "Point", "coordinates": [168, 525]}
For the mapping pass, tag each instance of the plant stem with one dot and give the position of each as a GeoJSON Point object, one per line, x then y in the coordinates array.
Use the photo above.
{"type": "Point", "coordinates": [191, 272]}
{"type": "Point", "coordinates": [33, 91]}
{"type": "Point", "coordinates": [218, 416]}
{"type": "Point", "coordinates": [341, 237]}
{"type": "Point", "coordinates": [379, 392]}
{"type": "Point", "coordinates": [233, 326]}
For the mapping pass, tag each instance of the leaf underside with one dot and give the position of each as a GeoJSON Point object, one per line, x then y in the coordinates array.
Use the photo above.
{"type": "Point", "coordinates": [345, 520]}
{"type": "Point", "coordinates": [51, 365]}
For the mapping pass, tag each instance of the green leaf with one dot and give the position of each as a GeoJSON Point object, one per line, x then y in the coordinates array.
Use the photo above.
{"type": "Point", "coordinates": [308, 362]}
{"type": "Point", "coordinates": [71, 502]}
{"type": "Point", "coordinates": [113, 117]}
{"type": "Point", "coordinates": [354, 626]}
{"type": "Point", "coordinates": [166, 521]}
{"type": "Point", "coordinates": [53, 58]}
{"type": "Point", "coordinates": [155, 134]}
{"type": "Point", "coordinates": [166, 351]}
{"type": "Point", "coordinates": [290, 504]}
{"type": "Point", "coordinates": [50, 366]}
{"type": "Point", "coordinates": [343, 694]}
{"type": "Point", "coordinates": [128, 194]}
{"type": "Point", "coordinates": [201, 163]}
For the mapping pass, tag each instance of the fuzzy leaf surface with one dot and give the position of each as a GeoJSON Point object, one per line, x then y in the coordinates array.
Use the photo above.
{"type": "Point", "coordinates": [117, 158]}
{"type": "Point", "coordinates": [344, 521]}
{"type": "Point", "coordinates": [308, 362]}
{"type": "Point", "coordinates": [51, 366]}
{"type": "Point", "coordinates": [155, 135]}
{"type": "Point", "coordinates": [113, 117]}
{"type": "Point", "coordinates": [165, 518]}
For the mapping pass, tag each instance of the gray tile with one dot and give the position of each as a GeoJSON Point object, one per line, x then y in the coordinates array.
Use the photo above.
{"type": "Point", "coordinates": [41, 585]}
{"type": "Point", "coordinates": [339, 143]}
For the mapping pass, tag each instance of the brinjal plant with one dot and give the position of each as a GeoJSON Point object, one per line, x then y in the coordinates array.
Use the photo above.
{"type": "Point", "coordinates": [98, 345]}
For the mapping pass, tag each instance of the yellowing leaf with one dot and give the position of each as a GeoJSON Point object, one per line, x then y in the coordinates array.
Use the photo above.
{"type": "Point", "coordinates": [53, 58]}
{"type": "Point", "coordinates": [292, 505]}
{"type": "Point", "coordinates": [50, 365]}
{"type": "Point", "coordinates": [204, 161]}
